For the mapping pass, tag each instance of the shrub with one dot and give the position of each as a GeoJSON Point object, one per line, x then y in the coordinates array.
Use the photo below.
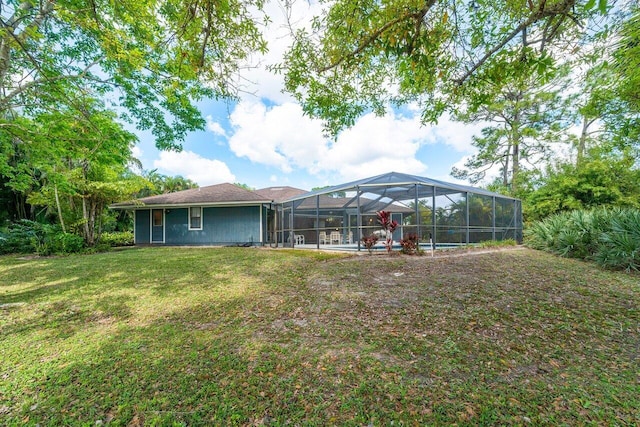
{"type": "Point", "coordinates": [498, 243]}
{"type": "Point", "coordinates": [389, 225]}
{"type": "Point", "coordinates": [409, 244]}
{"type": "Point", "coordinates": [27, 236]}
{"type": "Point", "coordinates": [18, 237]}
{"type": "Point", "coordinates": [620, 244]}
{"type": "Point", "coordinates": [370, 241]}
{"type": "Point", "coordinates": [117, 238]}
{"type": "Point", "coordinates": [67, 243]}
{"type": "Point", "coordinates": [611, 237]}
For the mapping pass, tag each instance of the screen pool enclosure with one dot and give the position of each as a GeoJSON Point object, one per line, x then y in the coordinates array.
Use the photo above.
{"type": "Point", "coordinates": [440, 213]}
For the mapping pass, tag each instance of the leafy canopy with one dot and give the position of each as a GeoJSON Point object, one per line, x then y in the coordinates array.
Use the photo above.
{"type": "Point", "coordinates": [150, 59]}
{"type": "Point", "coordinates": [362, 56]}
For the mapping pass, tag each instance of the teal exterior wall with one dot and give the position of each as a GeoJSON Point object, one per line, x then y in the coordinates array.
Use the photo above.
{"type": "Point", "coordinates": [220, 225]}
{"type": "Point", "coordinates": [142, 226]}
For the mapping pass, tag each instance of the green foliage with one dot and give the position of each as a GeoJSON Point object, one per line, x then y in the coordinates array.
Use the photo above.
{"type": "Point", "coordinates": [117, 238]}
{"type": "Point", "coordinates": [620, 244]}
{"type": "Point", "coordinates": [627, 60]}
{"type": "Point", "coordinates": [43, 239]}
{"type": "Point", "coordinates": [336, 194]}
{"type": "Point", "coordinates": [361, 57]}
{"type": "Point", "coordinates": [611, 237]}
{"type": "Point", "coordinates": [154, 59]}
{"type": "Point", "coordinates": [244, 186]}
{"type": "Point", "coordinates": [497, 243]}
{"type": "Point", "coordinates": [529, 113]}
{"type": "Point", "coordinates": [601, 181]}
{"type": "Point", "coordinates": [18, 236]}
{"type": "Point", "coordinates": [162, 184]}
{"type": "Point", "coordinates": [73, 169]}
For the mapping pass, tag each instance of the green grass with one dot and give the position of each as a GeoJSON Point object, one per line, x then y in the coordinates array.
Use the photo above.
{"type": "Point", "coordinates": [243, 336]}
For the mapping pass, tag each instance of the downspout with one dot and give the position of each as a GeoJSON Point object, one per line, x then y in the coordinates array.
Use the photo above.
{"type": "Point", "coordinates": [493, 218]}
{"type": "Point", "coordinates": [417, 209]}
{"type": "Point", "coordinates": [433, 218]}
{"type": "Point", "coordinates": [359, 217]}
{"type": "Point", "coordinates": [292, 233]}
{"type": "Point", "coordinates": [466, 216]}
{"type": "Point", "coordinates": [261, 207]}
{"type": "Point", "coordinates": [318, 221]}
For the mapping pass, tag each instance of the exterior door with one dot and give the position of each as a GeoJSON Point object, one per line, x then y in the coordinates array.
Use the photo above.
{"type": "Point", "coordinates": [157, 226]}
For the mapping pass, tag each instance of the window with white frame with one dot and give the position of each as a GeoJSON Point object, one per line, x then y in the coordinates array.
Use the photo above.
{"type": "Point", "coordinates": [195, 218]}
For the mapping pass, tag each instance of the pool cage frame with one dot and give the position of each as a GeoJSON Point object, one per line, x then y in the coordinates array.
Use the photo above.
{"type": "Point", "coordinates": [441, 214]}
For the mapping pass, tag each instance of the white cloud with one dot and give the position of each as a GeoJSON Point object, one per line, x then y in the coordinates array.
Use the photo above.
{"type": "Point", "coordinates": [377, 145]}
{"type": "Point", "coordinates": [282, 137]}
{"type": "Point", "coordinates": [256, 81]}
{"type": "Point", "coordinates": [279, 136]}
{"type": "Point", "coordinates": [136, 152]}
{"type": "Point", "coordinates": [456, 134]}
{"type": "Point", "coordinates": [193, 166]}
{"type": "Point", "coordinates": [215, 127]}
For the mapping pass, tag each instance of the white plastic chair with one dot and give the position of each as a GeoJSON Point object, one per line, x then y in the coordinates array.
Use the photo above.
{"type": "Point", "coordinates": [322, 238]}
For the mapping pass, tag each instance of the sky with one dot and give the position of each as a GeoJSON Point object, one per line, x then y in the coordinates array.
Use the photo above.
{"type": "Point", "coordinates": [264, 140]}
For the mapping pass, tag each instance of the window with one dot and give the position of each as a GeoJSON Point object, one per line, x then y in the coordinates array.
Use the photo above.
{"type": "Point", "coordinates": [195, 218]}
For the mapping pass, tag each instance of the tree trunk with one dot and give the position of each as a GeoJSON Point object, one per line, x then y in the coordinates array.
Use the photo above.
{"type": "Point", "coordinates": [21, 206]}
{"type": "Point", "coordinates": [55, 190]}
{"type": "Point", "coordinates": [88, 236]}
{"type": "Point", "coordinates": [505, 169]}
{"type": "Point", "coordinates": [516, 138]}
{"type": "Point", "coordinates": [516, 166]}
{"type": "Point", "coordinates": [582, 142]}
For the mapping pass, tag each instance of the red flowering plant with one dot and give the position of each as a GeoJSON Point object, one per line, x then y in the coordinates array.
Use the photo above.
{"type": "Point", "coordinates": [409, 244]}
{"type": "Point", "coordinates": [370, 242]}
{"type": "Point", "coordinates": [389, 225]}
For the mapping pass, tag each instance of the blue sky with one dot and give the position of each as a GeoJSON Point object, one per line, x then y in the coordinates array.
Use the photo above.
{"type": "Point", "coordinates": [264, 140]}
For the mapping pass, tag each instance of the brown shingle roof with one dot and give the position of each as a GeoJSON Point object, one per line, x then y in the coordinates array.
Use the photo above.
{"type": "Point", "coordinates": [212, 194]}
{"type": "Point", "coordinates": [279, 194]}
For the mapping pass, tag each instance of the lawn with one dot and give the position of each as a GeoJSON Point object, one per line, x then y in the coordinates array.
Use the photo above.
{"type": "Point", "coordinates": [245, 336]}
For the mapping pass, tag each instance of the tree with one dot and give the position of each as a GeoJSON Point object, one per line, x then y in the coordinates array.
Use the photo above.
{"type": "Point", "coordinates": [162, 184]}
{"type": "Point", "coordinates": [362, 56]}
{"type": "Point", "coordinates": [245, 186]}
{"type": "Point", "coordinates": [624, 123]}
{"type": "Point", "coordinates": [77, 169]}
{"type": "Point", "coordinates": [627, 61]}
{"type": "Point", "coordinates": [152, 59]}
{"type": "Point", "coordinates": [530, 114]}
{"type": "Point", "coordinates": [334, 194]}
{"type": "Point", "coordinates": [602, 179]}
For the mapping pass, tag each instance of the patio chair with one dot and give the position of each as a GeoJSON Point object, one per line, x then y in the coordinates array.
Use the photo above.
{"type": "Point", "coordinates": [350, 237]}
{"type": "Point", "coordinates": [322, 238]}
{"type": "Point", "coordinates": [334, 237]}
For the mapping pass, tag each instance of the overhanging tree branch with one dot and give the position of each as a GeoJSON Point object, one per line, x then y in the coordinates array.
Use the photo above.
{"type": "Point", "coordinates": [418, 16]}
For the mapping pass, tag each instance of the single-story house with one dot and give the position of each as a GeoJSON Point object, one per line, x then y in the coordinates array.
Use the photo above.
{"type": "Point", "coordinates": [226, 214]}
{"type": "Point", "coordinates": [214, 215]}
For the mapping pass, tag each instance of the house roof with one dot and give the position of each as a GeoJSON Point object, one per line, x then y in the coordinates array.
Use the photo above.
{"type": "Point", "coordinates": [280, 194]}
{"type": "Point", "coordinates": [218, 194]}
